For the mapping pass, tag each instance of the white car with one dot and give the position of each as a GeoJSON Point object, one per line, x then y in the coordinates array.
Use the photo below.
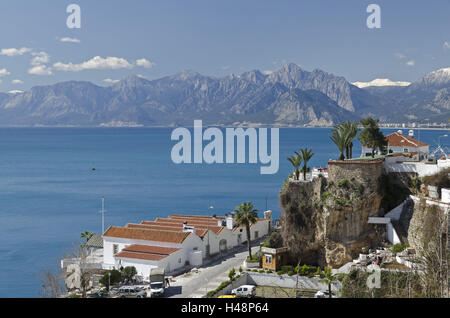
{"type": "Point", "coordinates": [244, 291]}
{"type": "Point", "coordinates": [324, 294]}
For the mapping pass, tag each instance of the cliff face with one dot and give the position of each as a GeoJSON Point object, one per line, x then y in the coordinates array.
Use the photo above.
{"type": "Point", "coordinates": [324, 222]}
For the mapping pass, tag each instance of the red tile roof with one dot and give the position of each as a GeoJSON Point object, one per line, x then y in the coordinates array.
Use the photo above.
{"type": "Point", "coordinates": [397, 139]}
{"type": "Point", "coordinates": [198, 226]}
{"type": "Point", "coordinates": [147, 234]}
{"type": "Point", "coordinates": [152, 249]}
{"type": "Point", "coordinates": [146, 252]}
{"type": "Point", "coordinates": [145, 256]}
{"type": "Point", "coordinates": [171, 227]}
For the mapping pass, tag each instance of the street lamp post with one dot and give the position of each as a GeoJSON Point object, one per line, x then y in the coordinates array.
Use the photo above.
{"type": "Point", "coordinates": [439, 138]}
{"type": "Point", "coordinates": [109, 281]}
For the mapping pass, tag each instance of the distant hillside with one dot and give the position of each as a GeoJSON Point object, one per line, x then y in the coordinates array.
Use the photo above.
{"type": "Point", "coordinates": [288, 96]}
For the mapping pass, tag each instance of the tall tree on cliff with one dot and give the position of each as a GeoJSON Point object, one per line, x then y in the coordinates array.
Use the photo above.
{"type": "Point", "coordinates": [246, 215]}
{"type": "Point", "coordinates": [306, 156]}
{"type": "Point", "coordinates": [296, 162]}
{"type": "Point", "coordinates": [338, 138]}
{"type": "Point", "coordinates": [349, 130]}
{"type": "Point", "coordinates": [371, 136]}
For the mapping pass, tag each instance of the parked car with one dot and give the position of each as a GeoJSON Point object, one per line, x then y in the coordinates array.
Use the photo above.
{"type": "Point", "coordinates": [324, 294]}
{"type": "Point", "coordinates": [99, 294]}
{"type": "Point", "coordinates": [244, 291]}
{"type": "Point", "coordinates": [131, 292]}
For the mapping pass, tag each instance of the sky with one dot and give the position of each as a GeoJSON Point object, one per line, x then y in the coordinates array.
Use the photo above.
{"type": "Point", "coordinates": [156, 38]}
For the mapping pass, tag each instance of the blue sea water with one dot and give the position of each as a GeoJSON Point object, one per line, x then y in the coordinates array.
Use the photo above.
{"type": "Point", "coordinates": [49, 193]}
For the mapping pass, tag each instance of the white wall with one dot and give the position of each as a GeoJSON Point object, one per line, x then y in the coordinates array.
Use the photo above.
{"type": "Point", "coordinates": [191, 242]}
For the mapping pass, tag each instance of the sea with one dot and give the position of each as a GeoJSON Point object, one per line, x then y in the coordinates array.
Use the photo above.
{"type": "Point", "coordinates": [52, 181]}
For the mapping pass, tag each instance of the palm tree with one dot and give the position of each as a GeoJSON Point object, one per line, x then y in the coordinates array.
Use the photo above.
{"type": "Point", "coordinates": [246, 215]}
{"type": "Point", "coordinates": [349, 130]}
{"type": "Point", "coordinates": [328, 278]}
{"type": "Point", "coordinates": [296, 162]}
{"type": "Point", "coordinates": [338, 138]}
{"type": "Point", "coordinates": [86, 235]}
{"type": "Point", "coordinates": [306, 156]}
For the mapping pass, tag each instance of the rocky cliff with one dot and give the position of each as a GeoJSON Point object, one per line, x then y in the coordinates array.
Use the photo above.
{"type": "Point", "coordinates": [324, 222]}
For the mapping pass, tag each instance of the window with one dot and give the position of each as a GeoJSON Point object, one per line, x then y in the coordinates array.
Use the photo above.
{"type": "Point", "coordinates": [179, 260]}
{"type": "Point", "coordinates": [115, 248]}
{"type": "Point", "coordinates": [405, 150]}
{"type": "Point", "coordinates": [195, 248]}
{"type": "Point", "coordinates": [256, 234]}
{"type": "Point", "coordinates": [268, 258]}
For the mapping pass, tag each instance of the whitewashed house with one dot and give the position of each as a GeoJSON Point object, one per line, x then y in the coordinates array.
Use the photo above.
{"type": "Point", "coordinates": [406, 146]}
{"type": "Point", "coordinates": [176, 241]}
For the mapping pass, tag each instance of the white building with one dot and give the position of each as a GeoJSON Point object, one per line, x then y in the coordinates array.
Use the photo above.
{"type": "Point", "coordinates": [398, 143]}
{"type": "Point", "coordinates": [176, 241]}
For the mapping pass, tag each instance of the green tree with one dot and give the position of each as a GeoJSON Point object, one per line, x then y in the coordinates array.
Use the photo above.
{"type": "Point", "coordinates": [246, 215]}
{"type": "Point", "coordinates": [111, 277]}
{"type": "Point", "coordinates": [306, 156]}
{"type": "Point", "coordinates": [371, 136]}
{"type": "Point", "coordinates": [338, 137]}
{"type": "Point", "coordinates": [128, 273]}
{"type": "Point", "coordinates": [349, 131]}
{"type": "Point", "coordinates": [296, 162]}
{"type": "Point", "coordinates": [86, 235]}
{"type": "Point", "coordinates": [328, 278]}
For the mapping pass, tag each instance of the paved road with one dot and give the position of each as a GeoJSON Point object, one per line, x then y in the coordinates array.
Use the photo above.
{"type": "Point", "coordinates": [193, 285]}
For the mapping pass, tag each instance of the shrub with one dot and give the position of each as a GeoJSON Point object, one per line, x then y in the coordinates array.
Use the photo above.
{"type": "Point", "coordinates": [261, 271]}
{"type": "Point", "coordinates": [280, 273]}
{"type": "Point", "coordinates": [361, 189]}
{"type": "Point", "coordinates": [397, 248]}
{"type": "Point", "coordinates": [287, 268]}
{"type": "Point", "coordinates": [343, 183]}
{"type": "Point", "coordinates": [255, 270]}
{"type": "Point", "coordinates": [268, 271]}
{"type": "Point", "coordinates": [128, 273]}
{"type": "Point", "coordinates": [232, 273]}
{"type": "Point", "coordinates": [240, 269]}
{"type": "Point", "coordinates": [115, 278]}
{"type": "Point", "coordinates": [290, 273]}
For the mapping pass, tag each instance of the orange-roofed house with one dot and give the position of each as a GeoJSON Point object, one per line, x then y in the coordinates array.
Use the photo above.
{"type": "Point", "coordinates": [398, 143]}
{"type": "Point", "coordinates": [175, 241]}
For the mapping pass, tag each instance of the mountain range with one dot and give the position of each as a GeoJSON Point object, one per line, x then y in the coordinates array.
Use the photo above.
{"type": "Point", "coordinates": [289, 96]}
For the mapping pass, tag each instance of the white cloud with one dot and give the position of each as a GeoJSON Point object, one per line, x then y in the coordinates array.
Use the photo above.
{"type": "Point", "coordinates": [267, 72]}
{"type": "Point", "coordinates": [400, 55]}
{"type": "Point", "coordinates": [69, 40]}
{"type": "Point", "coordinates": [16, 91]}
{"type": "Point", "coordinates": [447, 45]}
{"type": "Point", "coordinates": [4, 72]}
{"type": "Point", "coordinates": [14, 52]}
{"type": "Point", "coordinates": [40, 58]}
{"type": "Point", "coordinates": [17, 81]}
{"type": "Point", "coordinates": [40, 70]}
{"type": "Point", "coordinates": [411, 63]}
{"type": "Point", "coordinates": [95, 63]}
{"type": "Point", "coordinates": [226, 67]}
{"type": "Point", "coordinates": [110, 80]}
{"type": "Point", "coordinates": [144, 63]}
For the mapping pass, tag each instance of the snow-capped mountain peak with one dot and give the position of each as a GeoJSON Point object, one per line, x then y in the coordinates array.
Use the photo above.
{"type": "Point", "coordinates": [381, 82]}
